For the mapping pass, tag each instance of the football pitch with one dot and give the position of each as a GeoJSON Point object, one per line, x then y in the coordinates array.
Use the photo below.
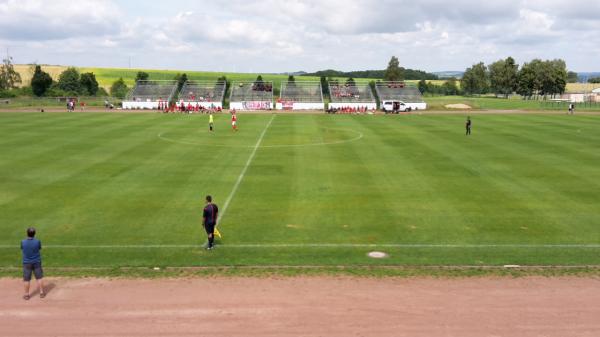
{"type": "Point", "coordinates": [127, 189]}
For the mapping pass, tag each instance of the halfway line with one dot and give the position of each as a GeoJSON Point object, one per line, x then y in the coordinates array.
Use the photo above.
{"type": "Point", "coordinates": [241, 176]}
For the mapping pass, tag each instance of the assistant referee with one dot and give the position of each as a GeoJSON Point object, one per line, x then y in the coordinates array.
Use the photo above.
{"type": "Point", "coordinates": [209, 220]}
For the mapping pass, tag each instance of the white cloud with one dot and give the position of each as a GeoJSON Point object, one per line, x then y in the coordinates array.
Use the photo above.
{"type": "Point", "coordinates": [274, 35]}
{"type": "Point", "coordinates": [43, 20]}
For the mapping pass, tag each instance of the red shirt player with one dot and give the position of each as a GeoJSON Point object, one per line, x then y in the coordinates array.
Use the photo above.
{"type": "Point", "coordinates": [234, 120]}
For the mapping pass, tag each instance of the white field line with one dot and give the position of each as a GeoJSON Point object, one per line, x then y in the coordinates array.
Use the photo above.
{"type": "Point", "coordinates": [243, 173]}
{"type": "Point", "coordinates": [359, 135]}
{"type": "Point", "coordinates": [321, 245]}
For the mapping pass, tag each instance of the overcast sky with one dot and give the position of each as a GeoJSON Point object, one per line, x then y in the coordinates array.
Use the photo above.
{"type": "Point", "coordinates": [290, 35]}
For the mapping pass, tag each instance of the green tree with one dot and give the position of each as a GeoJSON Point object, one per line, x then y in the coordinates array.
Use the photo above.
{"type": "Point", "coordinates": [394, 72]}
{"type": "Point", "coordinates": [373, 86]}
{"type": "Point", "coordinates": [527, 80]}
{"type": "Point", "coordinates": [41, 81]}
{"type": "Point", "coordinates": [259, 84]}
{"type": "Point", "coordinates": [450, 87]}
{"type": "Point", "coordinates": [102, 92]}
{"type": "Point", "coordinates": [68, 81]}
{"type": "Point", "coordinates": [572, 77]}
{"type": "Point", "coordinates": [223, 79]}
{"type": "Point", "coordinates": [89, 85]}
{"type": "Point", "coordinates": [558, 77]}
{"type": "Point", "coordinates": [9, 78]}
{"type": "Point", "coordinates": [475, 81]}
{"type": "Point", "coordinates": [350, 82]}
{"type": "Point", "coordinates": [291, 83]}
{"type": "Point", "coordinates": [324, 85]}
{"type": "Point", "coordinates": [119, 89]}
{"type": "Point", "coordinates": [422, 86]}
{"type": "Point", "coordinates": [594, 80]}
{"type": "Point", "coordinates": [142, 76]}
{"type": "Point", "coordinates": [181, 79]}
{"type": "Point", "coordinates": [503, 76]}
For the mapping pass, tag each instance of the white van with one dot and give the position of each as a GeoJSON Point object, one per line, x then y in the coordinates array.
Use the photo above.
{"type": "Point", "coordinates": [400, 106]}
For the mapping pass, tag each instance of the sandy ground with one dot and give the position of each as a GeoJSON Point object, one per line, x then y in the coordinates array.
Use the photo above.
{"type": "Point", "coordinates": [457, 106]}
{"type": "Point", "coordinates": [306, 306]}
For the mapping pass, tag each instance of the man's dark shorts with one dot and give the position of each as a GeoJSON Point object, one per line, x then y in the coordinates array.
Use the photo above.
{"type": "Point", "coordinates": [35, 268]}
{"type": "Point", "coordinates": [210, 229]}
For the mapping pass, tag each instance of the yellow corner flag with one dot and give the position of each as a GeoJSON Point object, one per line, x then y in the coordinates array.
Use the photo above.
{"type": "Point", "coordinates": [218, 234]}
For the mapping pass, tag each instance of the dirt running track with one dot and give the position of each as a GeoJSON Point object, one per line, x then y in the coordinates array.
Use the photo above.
{"type": "Point", "coordinates": [306, 306]}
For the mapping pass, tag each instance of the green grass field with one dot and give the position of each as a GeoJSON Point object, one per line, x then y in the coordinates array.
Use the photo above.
{"type": "Point", "coordinates": [110, 190]}
{"type": "Point", "coordinates": [513, 103]}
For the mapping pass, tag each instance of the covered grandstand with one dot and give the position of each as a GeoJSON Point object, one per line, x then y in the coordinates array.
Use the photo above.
{"type": "Point", "coordinates": [203, 94]}
{"type": "Point", "coordinates": [394, 95]}
{"type": "Point", "coordinates": [256, 95]}
{"type": "Point", "coordinates": [351, 95]}
{"type": "Point", "coordinates": [301, 95]}
{"type": "Point", "coordinates": [150, 94]}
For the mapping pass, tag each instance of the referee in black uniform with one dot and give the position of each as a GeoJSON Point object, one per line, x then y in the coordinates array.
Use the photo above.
{"type": "Point", "coordinates": [209, 220]}
{"type": "Point", "coordinates": [468, 126]}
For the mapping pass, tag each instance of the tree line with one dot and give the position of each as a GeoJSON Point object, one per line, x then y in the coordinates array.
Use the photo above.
{"type": "Point", "coordinates": [70, 83]}
{"type": "Point", "coordinates": [407, 74]}
{"type": "Point", "coordinates": [594, 80]}
{"type": "Point", "coordinates": [450, 87]}
{"type": "Point", "coordinates": [505, 77]}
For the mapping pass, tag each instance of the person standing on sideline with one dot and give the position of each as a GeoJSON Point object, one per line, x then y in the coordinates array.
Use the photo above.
{"type": "Point", "coordinates": [32, 263]}
{"type": "Point", "coordinates": [209, 220]}
{"type": "Point", "coordinates": [210, 122]}
{"type": "Point", "coordinates": [468, 126]}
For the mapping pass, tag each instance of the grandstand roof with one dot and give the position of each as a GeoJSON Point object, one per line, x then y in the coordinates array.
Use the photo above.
{"type": "Point", "coordinates": [350, 93]}
{"type": "Point", "coordinates": [302, 91]}
{"type": "Point", "coordinates": [398, 91]}
{"type": "Point", "coordinates": [251, 91]}
{"type": "Point", "coordinates": [149, 91]}
{"type": "Point", "coordinates": [202, 91]}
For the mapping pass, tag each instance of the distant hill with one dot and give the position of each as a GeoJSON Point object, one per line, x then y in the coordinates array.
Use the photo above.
{"type": "Point", "coordinates": [449, 74]}
{"type": "Point", "coordinates": [409, 74]}
{"type": "Point", "coordinates": [584, 76]}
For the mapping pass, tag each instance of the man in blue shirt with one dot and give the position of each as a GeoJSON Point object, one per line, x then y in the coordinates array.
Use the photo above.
{"type": "Point", "coordinates": [32, 262]}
